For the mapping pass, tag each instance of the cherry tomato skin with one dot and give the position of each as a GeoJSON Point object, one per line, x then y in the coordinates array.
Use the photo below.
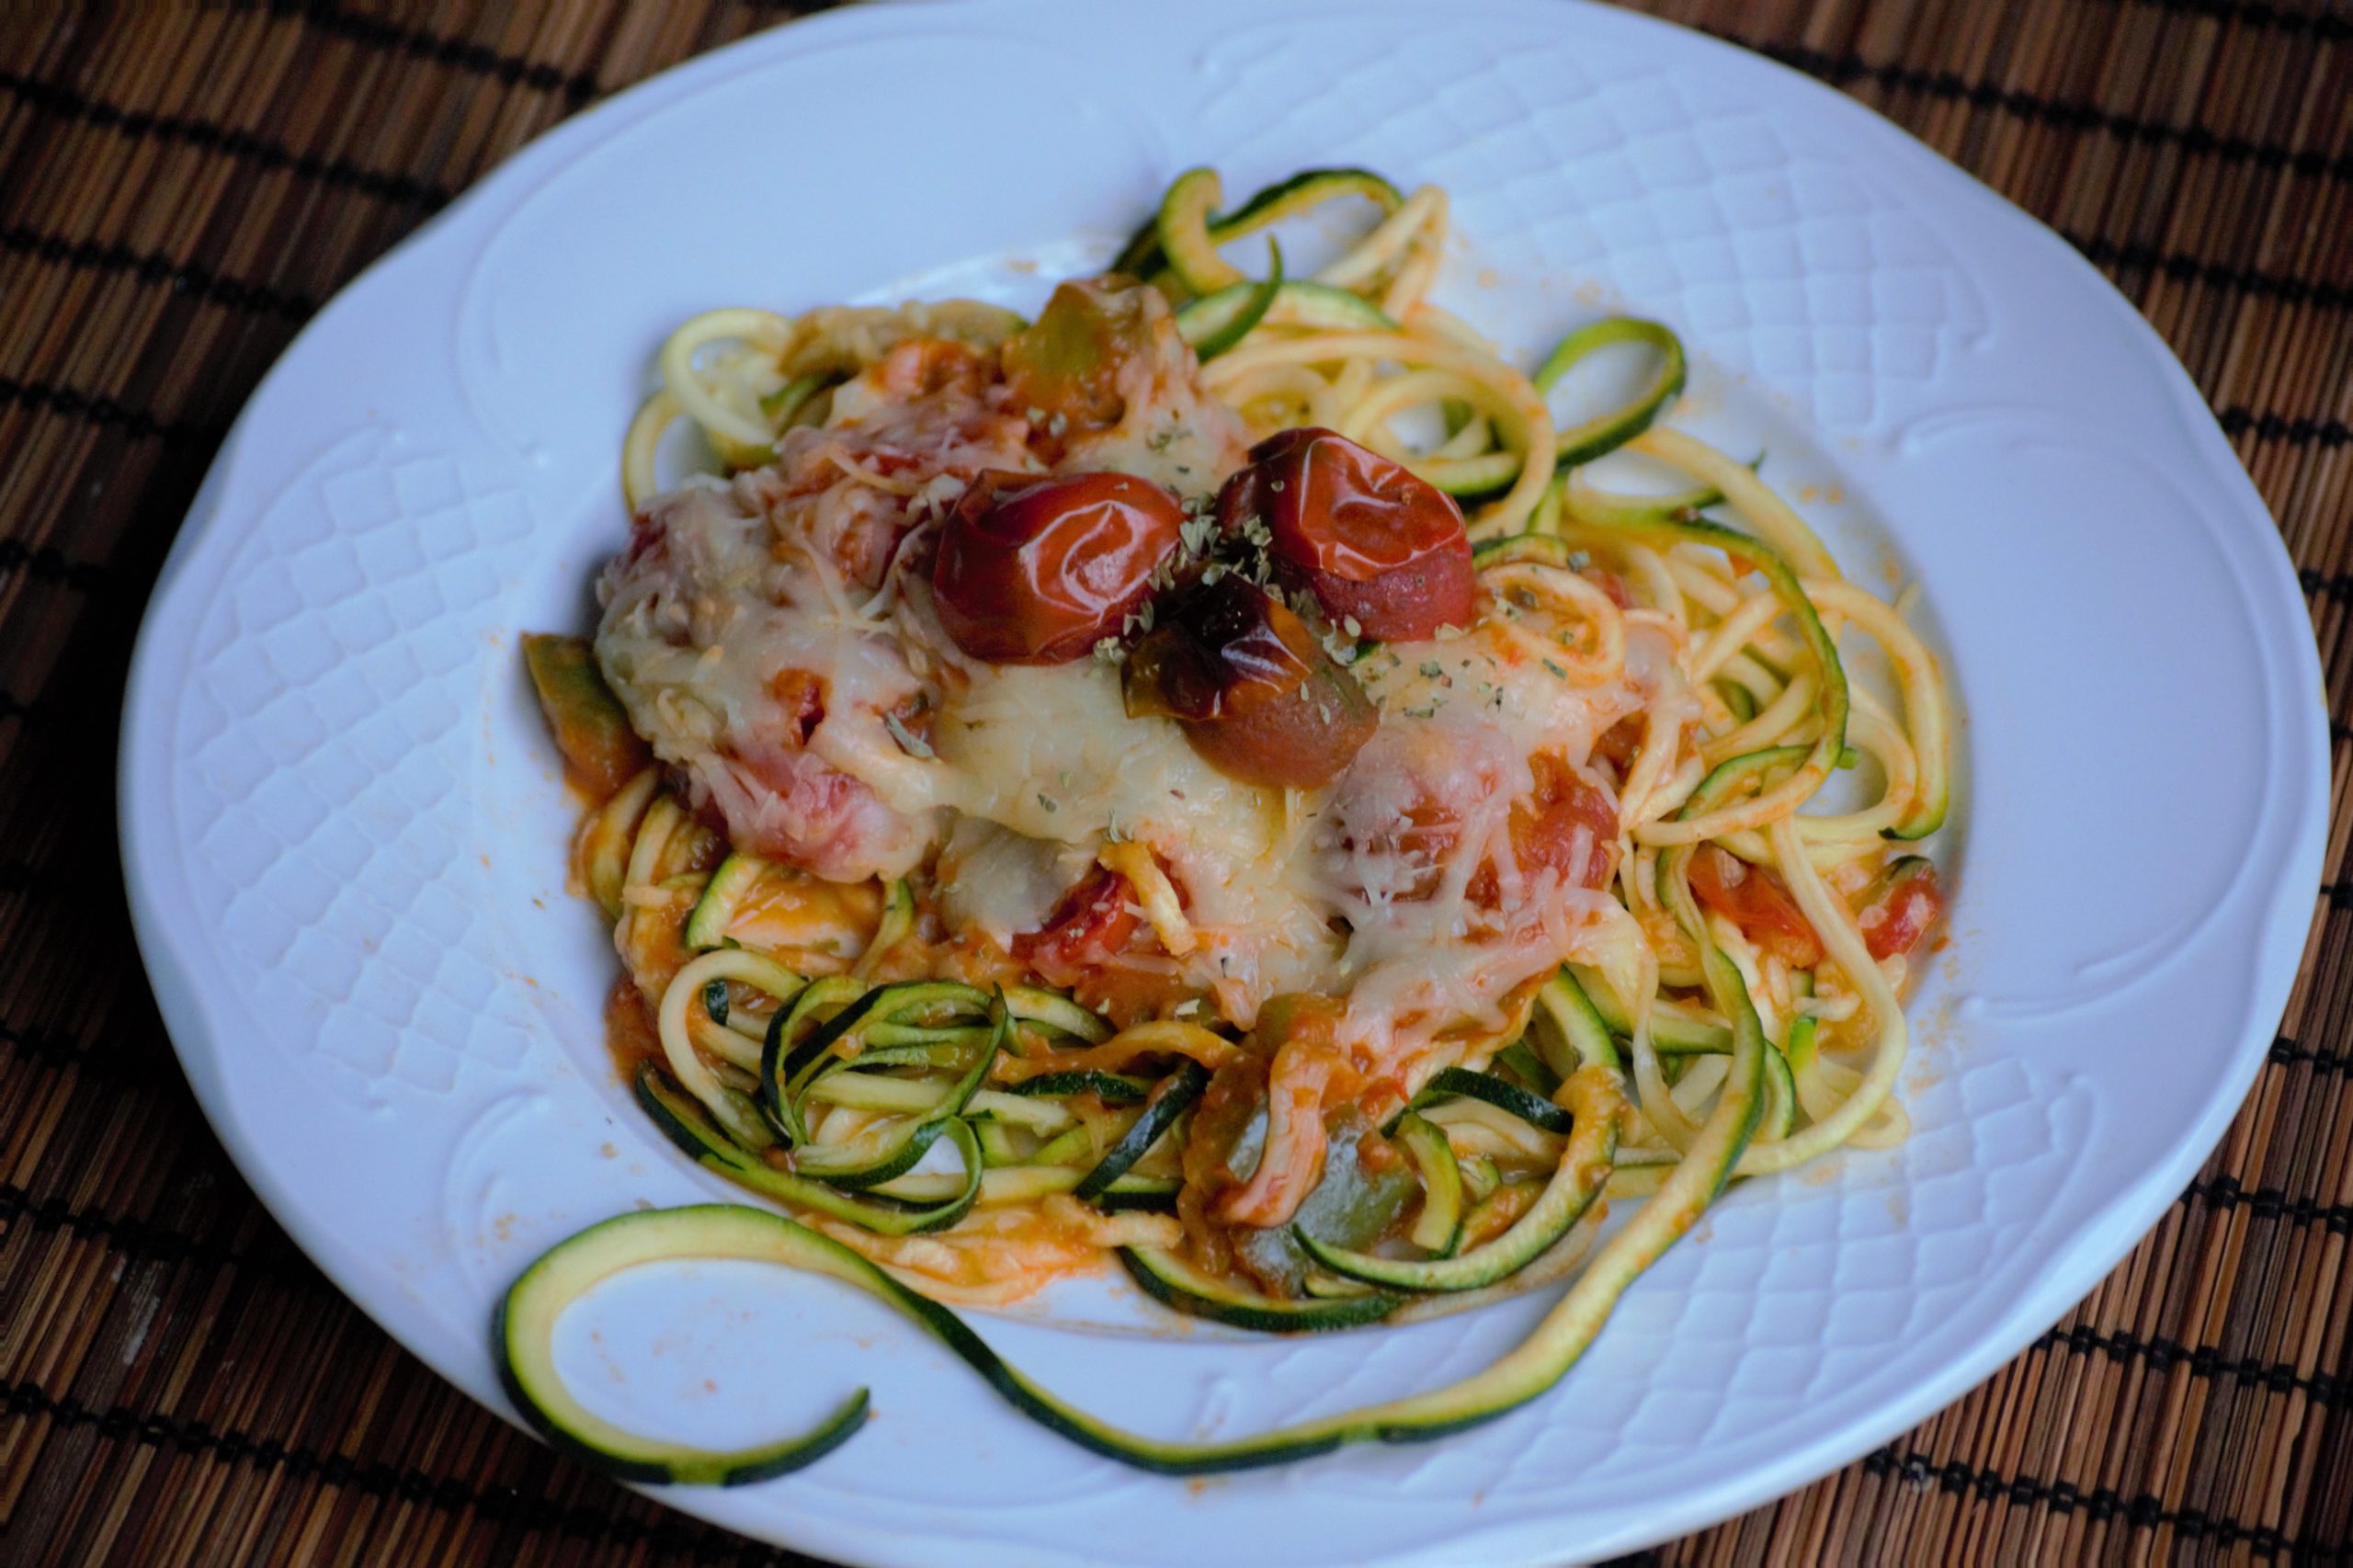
{"type": "Point", "coordinates": [1036, 571]}
{"type": "Point", "coordinates": [1908, 902]}
{"type": "Point", "coordinates": [1257, 696]}
{"type": "Point", "coordinates": [1094, 920]}
{"type": "Point", "coordinates": [1375, 544]}
{"type": "Point", "coordinates": [1756, 899]}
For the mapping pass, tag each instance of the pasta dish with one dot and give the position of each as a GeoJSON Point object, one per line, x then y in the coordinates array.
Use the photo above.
{"type": "Point", "coordinates": [1210, 782]}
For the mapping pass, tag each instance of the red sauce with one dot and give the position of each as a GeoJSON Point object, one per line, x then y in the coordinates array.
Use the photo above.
{"type": "Point", "coordinates": [630, 1033]}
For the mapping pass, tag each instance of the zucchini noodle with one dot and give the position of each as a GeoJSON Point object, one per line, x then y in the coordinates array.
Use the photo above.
{"type": "Point", "coordinates": [1741, 908]}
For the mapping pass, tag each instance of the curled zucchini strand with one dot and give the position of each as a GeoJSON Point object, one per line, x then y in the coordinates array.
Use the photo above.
{"type": "Point", "coordinates": [1688, 1052]}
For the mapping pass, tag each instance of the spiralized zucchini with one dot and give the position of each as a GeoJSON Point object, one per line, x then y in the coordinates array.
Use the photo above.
{"type": "Point", "coordinates": [936, 1138]}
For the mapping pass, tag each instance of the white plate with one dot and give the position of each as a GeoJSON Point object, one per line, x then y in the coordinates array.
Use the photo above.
{"type": "Point", "coordinates": [346, 835]}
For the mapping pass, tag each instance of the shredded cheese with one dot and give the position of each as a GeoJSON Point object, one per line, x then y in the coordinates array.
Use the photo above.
{"type": "Point", "coordinates": [774, 639]}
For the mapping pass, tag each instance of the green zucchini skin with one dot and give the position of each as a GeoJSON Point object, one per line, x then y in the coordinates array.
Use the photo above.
{"type": "Point", "coordinates": [524, 1323]}
{"type": "Point", "coordinates": [734, 1231]}
{"type": "Point", "coordinates": [1803, 1043]}
{"type": "Point", "coordinates": [1541, 1361]}
{"type": "Point", "coordinates": [782, 1051]}
{"type": "Point", "coordinates": [1768, 562]}
{"type": "Point", "coordinates": [522, 1344]}
{"type": "Point", "coordinates": [997, 1150]}
{"type": "Point", "coordinates": [1173, 1282]}
{"type": "Point", "coordinates": [791, 1063]}
{"type": "Point", "coordinates": [1237, 323]}
{"type": "Point", "coordinates": [1139, 258]}
{"type": "Point", "coordinates": [1186, 211]}
{"type": "Point", "coordinates": [683, 1120]}
{"type": "Point", "coordinates": [601, 752]}
{"type": "Point", "coordinates": [1583, 1032]}
{"type": "Point", "coordinates": [1472, 479]}
{"type": "Point", "coordinates": [1155, 1195]}
{"type": "Point", "coordinates": [706, 926]}
{"type": "Point", "coordinates": [524, 1326]}
{"type": "Point", "coordinates": [846, 1030]}
{"type": "Point", "coordinates": [1144, 255]}
{"type": "Point", "coordinates": [1604, 432]}
{"type": "Point", "coordinates": [1287, 197]}
{"type": "Point", "coordinates": [919, 1134]}
{"type": "Point", "coordinates": [1582, 1171]}
{"type": "Point", "coordinates": [1521, 1060]}
{"type": "Point", "coordinates": [1532, 1109]}
{"type": "Point", "coordinates": [1171, 1098]}
{"type": "Point", "coordinates": [1111, 1088]}
{"type": "Point", "coordinates": [898, 920]}
{"type": "Point", "coordinates": [1295, 302]}
{"type": "Point", "coordinates": [1437, 1230]}
{"type": "Point", "coordinates": [1674, 1032]}
{"type": "Point", "coordinates": [1050, 1010]}
{"type": "Point", "coordinates": [784, 405]}
{"type": "Point", "coordinates": [1781, 1117]}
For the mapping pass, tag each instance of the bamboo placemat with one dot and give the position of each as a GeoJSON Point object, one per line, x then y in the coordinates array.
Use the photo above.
{"type": "Point", "coordinates": [181, 186]}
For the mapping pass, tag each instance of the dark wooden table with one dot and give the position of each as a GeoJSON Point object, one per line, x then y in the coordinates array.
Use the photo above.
{"type": "Point", "coordinates": [182, 185]}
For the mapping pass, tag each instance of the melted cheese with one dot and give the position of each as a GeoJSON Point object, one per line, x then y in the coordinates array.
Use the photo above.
{"type": "Point", "coordinates": [1170, 431]}
{"type": "Point", "coordinates": [1462, 719]}
{"type": "Point", "coordinates": [1001, 883]}
{"type": "Point", "coordinates": [712, 643]}
{"type": "Point", "coordinates": [1010, 782]}
{"type": "Point", "coordinates": [1049, 752]}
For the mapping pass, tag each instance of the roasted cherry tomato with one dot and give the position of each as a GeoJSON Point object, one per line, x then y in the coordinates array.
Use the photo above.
{"type": "Point", "coordinates": [1256, 694]}
{"type": "Point", "coordinates": [1373, 544]}
{"type": "Point", "coordinates": [1756, 899]}
{"type": "Point", "coordinates": [1093, 920]}
{"type": "Point", "coordinates": [1035, 571]}
{"type": "Point", "coordinates": [1904, 903]}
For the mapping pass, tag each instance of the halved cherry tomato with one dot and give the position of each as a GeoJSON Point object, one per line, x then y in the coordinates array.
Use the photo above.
{"type": "Point", "coordinates": [1373, 544]}
{"type": "Point", "coordinates": [1904, 903]}
{"type": "Point", "coordinates": [1256, 694]}
{"type": "Point", "coordinates": [1545, 830]}
{"type": "Point", "coordinates": [1544, 834]}
{"type": "Point", "coordinates": [1756, 899]}
{"type": "Point", "coordinates": [1093, 920]}
{"type": "Point", "coordinates": [1036, 571]}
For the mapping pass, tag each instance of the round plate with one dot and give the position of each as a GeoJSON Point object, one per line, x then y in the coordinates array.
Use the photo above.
{"type": "Point", "coordinates": [346, 834]}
